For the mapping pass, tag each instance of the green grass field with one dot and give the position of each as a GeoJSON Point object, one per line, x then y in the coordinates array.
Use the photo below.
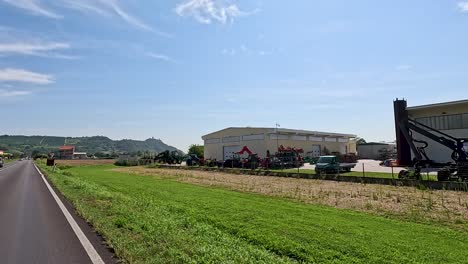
{"type": "Point", "coordinates": [158, 220]}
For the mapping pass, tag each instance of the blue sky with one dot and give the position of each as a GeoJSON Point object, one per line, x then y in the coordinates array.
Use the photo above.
{"type": "Point", "coordinates": [177, 70]}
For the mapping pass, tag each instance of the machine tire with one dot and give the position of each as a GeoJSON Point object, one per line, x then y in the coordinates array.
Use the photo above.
{"type": "Point", "coordinates": [443, 175]}
{"type": "Point", "coordinates": [403, 174]}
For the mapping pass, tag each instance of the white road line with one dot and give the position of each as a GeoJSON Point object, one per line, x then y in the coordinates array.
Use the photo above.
{"type": "Point", "coordinates": [92, 253]}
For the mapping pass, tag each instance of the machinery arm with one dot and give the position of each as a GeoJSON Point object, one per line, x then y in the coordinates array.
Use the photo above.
{"type": "Point", "coordinates": [244, 150]}
{"type": "Point", "coordinates": [456, 145]}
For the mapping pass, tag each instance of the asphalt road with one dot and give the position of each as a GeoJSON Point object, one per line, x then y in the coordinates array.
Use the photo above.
{"type": "Point", "coordinates": [33, 228]}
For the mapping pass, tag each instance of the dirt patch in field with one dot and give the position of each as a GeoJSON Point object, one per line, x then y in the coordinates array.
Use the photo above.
{"type": "Point", "coordinates": [412, 203]}
{"type": "Point", "coordinates": [84, 162]}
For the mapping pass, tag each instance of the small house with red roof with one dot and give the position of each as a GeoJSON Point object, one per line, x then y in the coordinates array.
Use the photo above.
{"type": "Point", "coordinates": [66, 152]}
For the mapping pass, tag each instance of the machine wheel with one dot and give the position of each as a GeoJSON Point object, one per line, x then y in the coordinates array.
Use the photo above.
{"type": "Point", "coordinates": [403, 174]}
{"type": "Point", "coordinates": [443, 175]}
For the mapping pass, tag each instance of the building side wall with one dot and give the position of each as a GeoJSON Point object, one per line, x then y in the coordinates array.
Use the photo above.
{"type": "Point", "coordinates": [373, 151]}
{"type": "Point", "coordinates": [216, 151]}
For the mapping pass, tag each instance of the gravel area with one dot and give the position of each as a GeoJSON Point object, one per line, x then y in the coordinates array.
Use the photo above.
{"type": "Point", "coordinates": [373, 166]}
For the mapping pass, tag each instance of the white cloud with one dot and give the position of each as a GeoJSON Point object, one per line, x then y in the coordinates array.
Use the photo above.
{"type": "Point", "coordinates": [33, 6]}
{"type": "Point", "coordinates": [13, 93]}
{"type": "Point", "coordinates": [158, 56]}
{"type": "Point", "coordinates": [85, 7]}
{"type": "Point", "coordinates": [207, 11]}
{"type": "Point", "coordinates": [20, 75]}
{"type": "Point", "coordinates": [108, 8]}
{"type": "Point", "coordinates": [17, 42]}
{"type": "Point", "coordinates": [33, 48]}
{"type": "Point", "coordinates": [463, 6]}
{"type": "Point", "coordinates": [100, 7]}
{"type": "Point", "coordinates": [112, 4]}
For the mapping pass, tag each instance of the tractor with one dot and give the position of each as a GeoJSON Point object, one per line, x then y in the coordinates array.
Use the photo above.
{"type": "Point", "coordinates": [285, 158]}
{"type": "Point", "coordinates": [168, 157]}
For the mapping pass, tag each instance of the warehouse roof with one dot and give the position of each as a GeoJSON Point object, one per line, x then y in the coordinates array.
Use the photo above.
{"type": "Point", "coordinates": [272, 130]}
{"type": "Point", "coordinates": [438, 105]}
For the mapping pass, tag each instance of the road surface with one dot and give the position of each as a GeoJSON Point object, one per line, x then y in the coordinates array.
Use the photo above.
{"type": "Point", "coordinates": [34, 229]}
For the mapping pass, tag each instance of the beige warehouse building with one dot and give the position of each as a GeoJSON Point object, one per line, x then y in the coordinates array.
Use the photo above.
{"type": "Point", "coordinates": [221, 145]}
{"type": "Point", "coordinates": [450, 118]}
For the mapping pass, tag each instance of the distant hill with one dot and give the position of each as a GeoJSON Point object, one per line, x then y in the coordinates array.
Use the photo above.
{"type": "Point", "coordinates": [98, 145]}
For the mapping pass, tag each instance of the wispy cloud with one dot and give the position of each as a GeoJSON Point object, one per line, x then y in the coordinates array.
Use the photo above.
{"type": "Point", "coordinates": [159, 56]}
{"type": "Point", "coordinates": [85, 7]}
{"type": "Point", "coordinates": [125, 16]}
{"type": "Point", "coordinates": [32, 48]}
{"type": "Point", "coordinates": [463, 6]}
{"type": "Point", "coordinates": [21, 75]}
{"type": "Point", "coordinates": [100, 7]}
{"type": "Point", "coordinates": [243, 49]}
{"type": "Point", "coordinates": [207, 11]}
{"type": "Point", "coordinates": [15, 42]}
{"type": "Point", "coordinates": [35, 7]}
{"type": "Point", "coordinates": [13, 93]}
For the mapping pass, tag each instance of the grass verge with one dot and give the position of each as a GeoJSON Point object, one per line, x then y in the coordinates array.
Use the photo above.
{"type": "Point", "coordinates": [159, 220]}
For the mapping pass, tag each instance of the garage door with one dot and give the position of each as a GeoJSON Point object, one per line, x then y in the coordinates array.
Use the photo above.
{"type": "Point", "coordinates": [315, 151]}
{"type": "Point", "coordinates": [229, 151]}
{"type": "Point", "coordinates": [343, 149]}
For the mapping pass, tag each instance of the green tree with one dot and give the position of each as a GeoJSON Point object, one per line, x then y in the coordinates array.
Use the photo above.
{"type": "Point", "coordinates": [197, 150]}
{"type": "Point", "coordinates": [360, 141]}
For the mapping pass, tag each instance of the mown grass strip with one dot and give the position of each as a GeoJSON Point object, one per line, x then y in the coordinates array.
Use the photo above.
{"type": "Point", "coordinates": [157, 220]}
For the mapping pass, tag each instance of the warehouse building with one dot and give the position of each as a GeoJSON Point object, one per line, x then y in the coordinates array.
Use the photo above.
{"type": "Point", "coordinates": [376, 150]}
{"type": "Point", "coordinates": [450, 118]}
{"type": "Point", "coordinates": [221, 145]}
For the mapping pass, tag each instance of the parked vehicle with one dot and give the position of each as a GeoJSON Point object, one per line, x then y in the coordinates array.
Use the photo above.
{"type": "Point", "coordinates": [331, 164]}
{"type": "Point", "coordinates": [168, 157]}
{"type": "Point", "coordinates": [251, 162]}
{"type": "Point", "coordinates": [193, 160]}
{"type": "Point", "coordinates": [285, 158]}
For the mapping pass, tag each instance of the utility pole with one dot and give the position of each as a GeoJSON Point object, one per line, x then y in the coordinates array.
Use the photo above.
{"type": "Point", "coordinates": [277, 143]}
{"type": "Point", "coordinates": [277, 136]}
